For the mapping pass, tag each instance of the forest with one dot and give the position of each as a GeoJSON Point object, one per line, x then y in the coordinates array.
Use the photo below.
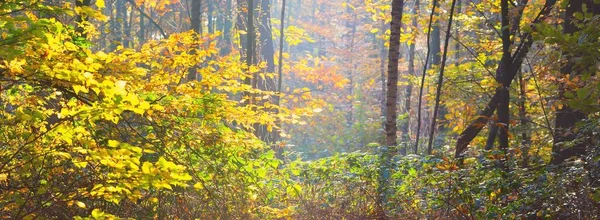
{"type": "Point", "coordinates": [299, 109]}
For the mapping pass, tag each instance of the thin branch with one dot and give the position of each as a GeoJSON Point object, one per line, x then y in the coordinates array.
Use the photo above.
{"type": "Point", "coordinates": [440, 80]}
{"type": "Point", "coordinates": [424, 73]}
{"type": "Point", "coordinates": [162, 32]}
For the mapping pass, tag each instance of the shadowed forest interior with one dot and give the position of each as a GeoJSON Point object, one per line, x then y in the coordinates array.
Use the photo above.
{"type": "Point", "coordinates": [299, 109]}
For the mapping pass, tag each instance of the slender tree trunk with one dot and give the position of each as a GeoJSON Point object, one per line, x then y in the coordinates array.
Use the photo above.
{"type": "Point", "coordinates": [281, 41]}
{"type": "Point", "coordinates": [526, 139]}
{"type": "Point", "coordinates": [505, 71]}
{"type": "Point", "coordinates": [383, 57]}
{"type": "Point", "coordinates": [457, 36]}
{"type": "Point", "coordinates": [127, 21]}
{"type": "Point", "coordinates": [112, 24]}
{"type": "Point", "coordinates": [119, 22]}
{"type": "Point", "coordinates": [440, 79]}
{"type": "Point", "coordinates": [280, 67]}
{"type": "Point", "coordinates": [411, 71]}
{"type": "Point", "coordinates": [228, 25]}
{"type": "Point", "coordinates": [250, 40]}
{"type": "Point", "coordinates": [142, 32]}
{"type": "Point", "coordinates": [210, 14]}
{"type": "Point", "coordinates": [196, 26]}
{"type": "Point", "coordinates": [425, 67]}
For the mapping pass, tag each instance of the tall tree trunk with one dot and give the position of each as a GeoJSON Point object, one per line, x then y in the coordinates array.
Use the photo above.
{"type": "Point", "coordinates": [112, 24]}
{"type": "Point", "coordinates": [391, 100]}
{"type": "Point", "coordinates": [196, 20]}
{"type": "Point", "coordinates": [210, 14]}
{"type": "Point", "coordinates": [280, 69]}
{"type": "Point", "coordinates": [268, 82]}
{"type": "Point", "coordinates": [457, 36]}
{"type": "Point", "coordinates": [127, 21]}
{"type": "Point", "coordinates": [516, 60]}
{"type": "Point", "coordinates": [425, 67]}
{"type": "Point", "coordinates": [281, 41]}
{"type": "Point", "coordinates": [383, 57]}
{"type": "Point", "coordinates": [405, 126]}
{"type": "Point", "coordinates": [196, 26]}
{"type": "Point", "coordinates": [227, 26]}
{"type": "Point", "coordinates": [526, 139]}
{"type": "Point", "coordinates": [411, 72]}
{"type": "Point", "coordinates": [440, 79]}
{"type": "Point", "coordinates": [351, 24]}
{"type": "Point", "coordinates": [567, 117]}
{"type": "Point", "coordinates": [392, 82]}
{"type": "Point", "coordinates": [250, 40]}
{"type": "Point", "coordinates": [142, 32]}
{"type": "Point", "coordinates": [505, 70]}
{"type": "Point", "coordinates": [119, 22]}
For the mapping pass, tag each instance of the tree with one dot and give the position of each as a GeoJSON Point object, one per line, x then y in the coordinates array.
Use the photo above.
{"type": "Point", "coordinates": [392, 78]}
{"type": "Point", "coordinates": [405, 127]}
{"type": "Point", "coordinates": [566, 116]}
{"type": "Point", "coordinates": [425, 67]}
{"type": "Point", "coordinates": [440, 79]}
{"type": "Point", "coordinates": [515, 61]}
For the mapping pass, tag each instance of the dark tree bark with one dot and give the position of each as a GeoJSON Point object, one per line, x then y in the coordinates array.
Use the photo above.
{"type": "Point", "coordinates": [227, 26]}
{"type": "Point", "coordinates": [268, 82]}
{"type": "Point", "coordinates": [516, 60]}
{"type": "Point", "coordinates": [210, 14]}
{"type": "Point", "coordinates": [118, 29]}
{"type": "Point", "coordinates": [392, 82]}
{"type": "Point", "coordinates": [196, 26]}
{"type": "Point", "coordinates": [196, 19]}
{"type": "Point", "coordinates": [567, 117]}
{"type": "Point", "coordinates": [391, 105]}
{"type": "Point", "coordinates": [250, 40]}
{"type": "Point", "coordinates": [425, 67]}
{"type": "Point", "coordinates": [491, 139]}
{"type": "Point", "coordinates": [142, 32]}
{"type": "Point", "coordinates": [526, 139]}
{"type": "Point", "coordinates": [127, 20]}
{"type": "Point", "coordinates": [505, 69]}
{"type": "Point", "coordinates": [440, 79]}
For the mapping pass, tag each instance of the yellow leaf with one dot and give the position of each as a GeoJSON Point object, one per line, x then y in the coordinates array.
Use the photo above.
{"type": "Point", "coordinates": [146, 167]}
{"type": "Point", "coordinates": [198, 186]}
{"type": "Point", "coordinates": [80, 204]}
{"type": "Point", "coordinates": [78, 88]}
{"type": "Point", "coordinates": [144, 105]}
{"type": "Point", "coordinates": [100, 3]}
{"type": "Point", "coordinates": [113, 143]}
{"type": "Point", "coordinates": [71, 46]}
{"type": "Point", "coordinates": [101, 55]}
{"type": "Point", "coordinates": [120, 87]}
{"type": "Point", "coordinates": [317, 110]}
{"type": "Point", "coordinates": [82, 164]}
